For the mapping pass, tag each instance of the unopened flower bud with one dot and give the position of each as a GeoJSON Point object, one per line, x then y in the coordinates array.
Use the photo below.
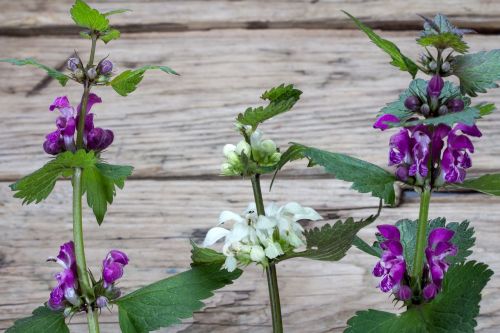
{"type": "Point", "coordinates": [105, 67]}
{"type": "Point", "coordinates": [73, 64]}
{"type": "Point", "coordinates": [445, 67]}
{"type": "Point", "coordinates": [243, 147]}
{"type": "Point", "coordinates": [91, 73]}
{"type": "Point", "coordinates": [268, 146]}
{"type": "Point", "coordinates": [402, 173]}
{"type": "Point", "coordinates": [101, 302]}
{"type": "Point", "coordinates": [257, 253]}
{"type": "Point", "coordinates": [433, 65]}
{"type": "Point", "coordinates": [443, 109]}
{"type": "Point", "coordinates": [430, 291]}
{"type": "Point", "coordinates": [228, 149]}
{"type": "Point", "coordinates": [425, 110]}
{"type": "Point", "coordinates": [413, 103]}
{"type": "Point", "coordinates": [404, 293]}
{"type": "Point", "coordinates": [435, 86]}
{"type": "Point", "coordinates": [456, 105]}
{"type": "Point", "coordinates": [79, 75]}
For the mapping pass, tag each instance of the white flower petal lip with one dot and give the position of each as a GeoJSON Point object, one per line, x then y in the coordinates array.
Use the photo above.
{"type": "Point", "coordinates": [272, 209]}
{"type": "Point", "coordinates": [230, 263]}
{"type": "Point", "coordinates": [265, 222]}
{"type": "Point", "coordinates": [257, 253]}
{"type": "Point", "coordinates": [214, 234]}
{"type": "Point", "coordinates": [239, 232]}
{"type": "Point", "coordinates": [227, 216]}
{"type": "Point", "coordinates": [299, 212]}
{"type": "Point", "coordinates": [273, 250]}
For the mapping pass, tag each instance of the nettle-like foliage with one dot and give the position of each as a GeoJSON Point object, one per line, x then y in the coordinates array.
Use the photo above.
{"type": "Point", "coordinates": [423, 263]}
{"type": "Point", "coordinates": [267, 235]}
{"type": "Point", "coordinates": [78, 147]}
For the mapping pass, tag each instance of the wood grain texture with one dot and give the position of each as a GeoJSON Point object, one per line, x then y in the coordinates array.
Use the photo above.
{"type": "Point", "coordinates": [176, 126]}
{"type": "Point", "coordinates": [38, 17]}
{"type": "Point", "coordinates": [153, 220]}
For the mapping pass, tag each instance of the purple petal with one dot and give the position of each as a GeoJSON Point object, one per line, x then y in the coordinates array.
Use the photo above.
{"type": "Point", "coordinates": [93, 99]}
{"type": "Point", "coordinates": [382, 121]}
{"type": "Point", "coordinates": [402, 173]}
{"type": "Point", "coordinates": [404, 293]}
{"type": "Point", "coordinates": [67, 254]}
{"type": "Point", "coordinates": [444, 249]}
{"type": "Point", "coordinates": [111, 272]}
{"type": "Point", "coordinates": [460, 142]}
{"type": "Point", "coordinates": [389, 232]}
{"type": "Point", "coordinates": [66, 278]}
{"type": "Point", "coordinates": [118, 256]}
{"type": "Point", "coordinates": [397, 272]}
{"type": "Point", "coordinates": [386, 284]}
{"type": "Point", "coordinates": [435, 86]}
{"type": "Point", "coordinates": [469, 130]}
{"type": "Point", "coordinates": [60, 102]}
{"type": "Point", "coordinates": [378, 270]}
{"type": "Point", "coordinates": [56, 300]}
{"type": "Point", "coordinates": [437, 273]}
{"type": "Point", "coordinates": [430, 291]}
{"type": "Point", "coordinates": [439, 235]}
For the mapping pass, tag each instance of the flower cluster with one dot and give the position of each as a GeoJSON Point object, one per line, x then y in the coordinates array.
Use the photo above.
{"type": "Point", "coordinates": [67, 293]}
{"type": "Point", "coordinates": [411, 148]}
{"type": "Point", "coordinates": [63, 138]}
{"type": "Point", "coordinates": [392, 267]}
{"type": "Point", "coordinates": [258, 151]}
{"type": "Point", "coordinates": [99, 74]}
{"type": "Point", "coordinates": [258, 238]}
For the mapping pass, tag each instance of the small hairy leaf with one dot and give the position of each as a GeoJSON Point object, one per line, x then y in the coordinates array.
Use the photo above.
{"type": "Point", "coordinates": [127, 81]}
{"type": "Point", "coordinates": [366, 177]}
{"type": "Point", "coordinates": [281, 99]}
{"type": "Point", "coordinates": [167, 301]}
{"type": "Point", "coordinates": [99, 183]}
{"type": "Point", "coordinates": [53, 73]}
{"type": "Point", "coordinates": [478, 71]}
{"type": "Point", "coordinates": [38, 185]}
{"type": "Point", "coordinates": [88, 17]}
{"type": "Point", "coordinates": [110, 35]}
{"type": "Point", "coordinates": [43, 320]}
{"type": "Point", "coordinates": [398, 59]}
{"type": "Point", "coordinates": [488, 184]}
{"type": "Point", "coordinates": [116, 11]}
{"type": "Point", "coordinates": [453, 310]}
{"type": "Point", "coordinates": [205, 256]}
{"type": "Point", "coordinates": [444, 41]}
{"type": "Point", "coordinates": [331, 242]}
{"type": "Point", "coordinates": [367, 248]}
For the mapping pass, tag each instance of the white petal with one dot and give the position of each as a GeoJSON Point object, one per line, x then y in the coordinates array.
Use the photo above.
{"type": "Point", "coordinates": [230, 263]}
{"type": "Point", "coordinates": [214, 234]}
{"type": "Point", "coordinates": [265, 222]}
{"type": "Point", "coordinates": [255, 138]}
{"type": "Point", "coordinates": [239, 232]}
{"type": "Point", "coordinates": [257, 253]}
{"type": "Point", "coordinates": [295, 240]}
{"type": "Point", "coordinates": [273, 250]}
{"type": "Point", "coordinates": [228, 149]}
{"type": "Point", "coordinates": [300, 213]}
{"type": "Point", "coordinates": [272, 209]}
{"type": "Point", "coordinates": [243, 147]}
{"type": "Point", "coordinates": [226, 216]}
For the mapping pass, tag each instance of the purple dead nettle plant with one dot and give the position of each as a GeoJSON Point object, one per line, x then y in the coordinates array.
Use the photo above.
{"type": "Point", "coordinates": [77, 146]}
{"type": "Point", "coordinates": [423, 263]}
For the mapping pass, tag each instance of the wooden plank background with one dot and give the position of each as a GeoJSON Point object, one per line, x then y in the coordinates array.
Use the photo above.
{"type": "Point", "coordinates": [172, 130]}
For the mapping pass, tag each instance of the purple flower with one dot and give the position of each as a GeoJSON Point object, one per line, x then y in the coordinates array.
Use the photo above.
{"type": "Point", "coordinates": [435, 86]}
{"type": "Point", "coordinates": [112, 267]}
{"type": "Point", "coordinates": [420, 152]}
{"type": "Point", "coordinates": [382, 121]}
{"type": "Point", "coordinates": [404, 293]}
{"type": "Point", "coordinates": [456, 158]}
{"type": "Point", "coordinates": [105, 67]}
{"type": "Point", "coordinates": [400, 148]}
{"type": "Point", "coordinates": [67, 282]}
{"type": "Point", "coordinates": [63, 138]}
{"type": "Point", "coordinates": [392, 266]}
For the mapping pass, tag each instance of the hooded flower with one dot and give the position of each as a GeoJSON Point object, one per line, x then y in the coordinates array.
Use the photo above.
{"type": "Point", "coordinates": [383, 121]}
{"type": "Point", "coordinates": [439, 246]}
{"type": "Point", "coordinates": [63, 138]}
{"type": "Point", "coordinates": [255, 238]}
{"type": "Point", "coordinates": [392, 266]}
{"type": "Point", "coordinates": [112, 267]}
{"type": "Point", "coordinates": [65, 292]}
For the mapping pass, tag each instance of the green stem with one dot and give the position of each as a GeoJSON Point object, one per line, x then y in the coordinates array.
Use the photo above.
{"type": "Point", "coordinates": [81, 264]}
{"type": "Point", "coordinates": [272, 277]}
{"type": "Point", "coordinates": [425, 199]}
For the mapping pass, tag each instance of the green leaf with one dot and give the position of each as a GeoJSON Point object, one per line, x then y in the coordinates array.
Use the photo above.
{"type": "Point", "coordinates": [453, 310]}
{"type": "Point", "coordinates": [488, 184]}
{"type": "Point", "coordinates": [367, 248]}
{"type": "Point", "coordinates": [468, 116]}
{"type": "Point", "coordinates": [366, 177]}
{"type": "Point", "coordinates": [110, 35]}
{"type": "Point", "coordinates": [43, 320]}
{"type": "Point", "coordinates": [53, 73]}
{"type": "Point", "coordinates": [331, 242]}
{"type": "Point", "coordinates": [167, 301]}
{"type": "Point", "coordinates": [444, 41]}
{"type": "Point", "coordinates": [116, 11]}
{"type": "Point", "coordinates": [485, 108]}
{"type": "Point", "coordinates": [478, 71]}
{"type": "Point", "coordinates": [398, 59]}
{"type": "Point", "coordinates": [281, 99]}
{"type": "Point", "coordinates": [205, 256]}
{"type": "Point", "coordinates": [127, 81]}
{"type": "Point", "coordinates": [87, 17]}
{"type": "Point", "coordinates": [38, 185]}
{"type": "Point", "coordinates": [99, 183]}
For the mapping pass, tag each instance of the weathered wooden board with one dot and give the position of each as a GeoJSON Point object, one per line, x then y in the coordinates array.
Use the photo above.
{"type": "Point", "coordinates": [153, 220]}
{"type": "Point", "coordinates": [29, 17]}
{"type": "Point", "coordinates": [176, 126]}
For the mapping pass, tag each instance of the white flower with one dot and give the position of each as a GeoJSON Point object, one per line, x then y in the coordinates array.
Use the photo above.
{"type": "Point", "coordinates": [249, 237]}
